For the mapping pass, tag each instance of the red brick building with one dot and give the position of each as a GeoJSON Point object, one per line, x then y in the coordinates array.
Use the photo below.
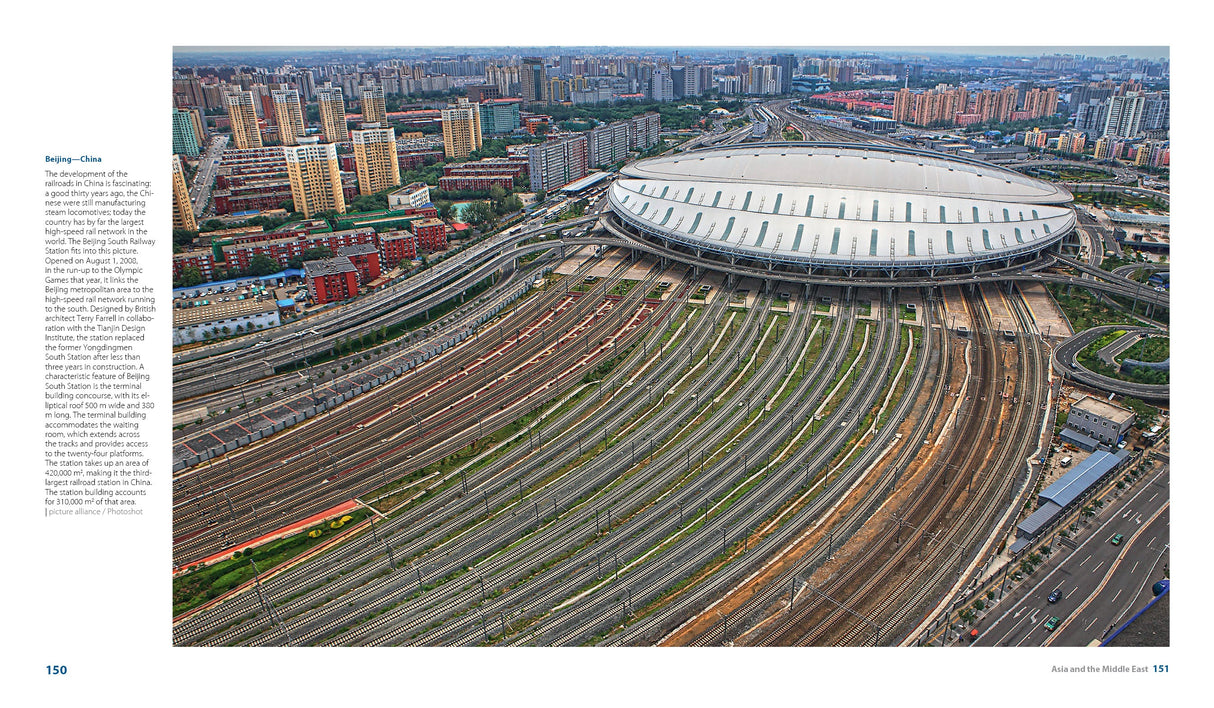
{"type": "Point", "coordinates": [331, 279]}
{"type": "Point", "coordinates": [412, 159]}
{"type": "Point", "coordinates": [516, 166]}
{"type": "Point", "coordinates": [286, 246]}
{"type": "Point", "coordinates": [476, 182]}
{"type": "Point", "coordinates": [431, 234]}
{"type": "Point", "coordinates": [202, 259]}
{"type": "Point", "coordinates": [365, 257]}
{"type": "Point", "coordinates": [397, 246]}
{"type": "Point", "coordinates": [534, 120]}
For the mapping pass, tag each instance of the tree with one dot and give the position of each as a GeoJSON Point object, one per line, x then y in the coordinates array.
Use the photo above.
{"type": "Point", "coordinates": [262, 264]}
{"type": "Point", "coordinates": [183, 238]}
{"type": "Point", "coordinates": [478, 213]}
{"type": "Point", "coordinates": [445, 210]}
{"type": "Point", "coordinates": [496, 192]}
{"type": "Point", "coordinates": [190, 276]}
{"type": "Point", "coordinates": [541, 195]}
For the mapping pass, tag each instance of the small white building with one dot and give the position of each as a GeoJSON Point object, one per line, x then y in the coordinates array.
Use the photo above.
{"type": "Point", "coordinates": [410, 196]}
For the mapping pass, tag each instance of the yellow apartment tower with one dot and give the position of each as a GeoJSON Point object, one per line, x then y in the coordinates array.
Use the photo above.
{"type": "Point", "coordinates": [375, 159]}
{"type": "Point", "coordinates": [374, 109]}
{"type": "Point", "coordinates": [332, 113]}
{"type": "Point", "coordinates": [183, 210]}
{"type": "Point", "coordinates": [315, 177]}
{"type": "Point", "coordinates": [289, 114]}
{"type": "Point", "coordinates": [461, 129]}
{"type": "Point", "coordinates": [243, 117]}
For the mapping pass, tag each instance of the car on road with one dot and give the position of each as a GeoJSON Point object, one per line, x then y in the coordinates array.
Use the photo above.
{"type": "Point", "coordinates": [1051, 624]}
{"type": "Point", "coordinates": [1116, 540]}
{"type": "Point", "coordinates": [1054, 596]}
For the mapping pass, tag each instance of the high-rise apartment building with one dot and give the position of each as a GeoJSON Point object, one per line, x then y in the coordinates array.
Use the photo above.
{"type": "Point", "coordinates": [461, 129]}
{"type": "Point", "coordinates": [332, 113]}
{"type": "Point", "coordinates": [373, 106]}
{"type": "Point", "coordinates": [558, 90]}
{"type": "Point", "coordinates": [939, 106]}
{"type": "Point", "coordinates": [1156, 111]}
{"type": "Point", "coordinates": [506, 78]}
{"type": "Point", "coordinates": [556, 163]}
{"type": "Point", "coordinates": [1072, 141]}
{"type": "Point", "coordinates": [607, 144]}
{"type": "Point", "coordinates": [1109, 147]}
{"type": "Point", "coordinates": [315, 177]}
{"type": "Point", "coordinates": [242, 115]}
{"type": "Point", "coordinates": [1041, 104]}
{"type": "Point", "coordinates": [996, 106]}
{"type": "Point", "coordinates": [644, 131]}
{"type": "Point", "coordinates": [200, 126]}
{"type": "Point", "coordinates": [185, 142]}
{"type": "Point", "coordinates": [1036, 138]}
{"type": "Point", "coordinates": [183, 210]}
{"type": "Point", "coordinates": [765, 79]}
{"type": "Point", "coordinates": [1125, 115]}
{"type": "Point", "coordinates": [661, 86]}
{"type": "Point", "coordinates": [1091, 116]}
{"type": "Point", "coordinates": [375, 159]}
{"type": "Point", "coordinates": [288, 113]}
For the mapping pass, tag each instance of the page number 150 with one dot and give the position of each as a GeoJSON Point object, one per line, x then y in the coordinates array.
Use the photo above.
{"type": "Point", "coordinates": [56, 670]}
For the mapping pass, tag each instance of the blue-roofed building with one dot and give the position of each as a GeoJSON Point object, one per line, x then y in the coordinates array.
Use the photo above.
{"type": "Point", "coordinates": [1060, 497]}
{"type": "Point", "coordinates": [1078, 481]}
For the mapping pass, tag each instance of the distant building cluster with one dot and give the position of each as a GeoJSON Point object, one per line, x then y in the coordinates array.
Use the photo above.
{"type": "Point", "coordinates": [951, 105]}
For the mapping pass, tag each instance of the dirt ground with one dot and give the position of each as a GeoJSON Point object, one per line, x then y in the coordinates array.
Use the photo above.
{"type": "Point", "coordinates": [955, 314]}
{"type": "Point", "coordinates": [1049, 319]}
{"type": "Point", "coordinates": [574, 261]}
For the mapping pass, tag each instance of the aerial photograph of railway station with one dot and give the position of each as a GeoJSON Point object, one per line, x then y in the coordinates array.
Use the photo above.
{"type": "Point", "coordinates": [671, 346]}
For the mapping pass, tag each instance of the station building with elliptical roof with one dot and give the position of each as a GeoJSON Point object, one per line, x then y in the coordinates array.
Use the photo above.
{"type": "Point", "coordinates": [847, 209]}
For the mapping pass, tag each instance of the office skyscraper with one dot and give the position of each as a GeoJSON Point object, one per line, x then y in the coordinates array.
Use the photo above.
{"type": "Point", "coordinates": [288, 113]}
{"type": "Point", "coordinates": [787, 64]}
{"type": "Point", "coordinates": [375, 159]}
{"type": "Point", "coordinates": [461, 129]}
{"type": "Point", "coordinates": [183, 210]}
{"type": "Point", "coordinates": [243, 118]}
{"type": "Point", "coordinates": [315, 177]}
{"type": "Point", "coordinates": [532, 80]}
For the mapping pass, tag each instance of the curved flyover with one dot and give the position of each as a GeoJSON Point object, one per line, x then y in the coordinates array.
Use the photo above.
{"type": "Point", "coordinates": [1065, 362]}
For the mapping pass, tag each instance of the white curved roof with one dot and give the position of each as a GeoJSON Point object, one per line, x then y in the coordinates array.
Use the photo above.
{"type": "Point", "coordinates": [828, 204]}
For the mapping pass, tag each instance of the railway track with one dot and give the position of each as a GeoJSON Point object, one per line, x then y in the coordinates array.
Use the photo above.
{"type": "Point", "coordinates": [387, 532]}
{"type": "Point", "coordinates": [249, 482]}
{"type": "Point", "coordinates": [814, 520]}
{"type": "Point", "coordinates": [837, 604]}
